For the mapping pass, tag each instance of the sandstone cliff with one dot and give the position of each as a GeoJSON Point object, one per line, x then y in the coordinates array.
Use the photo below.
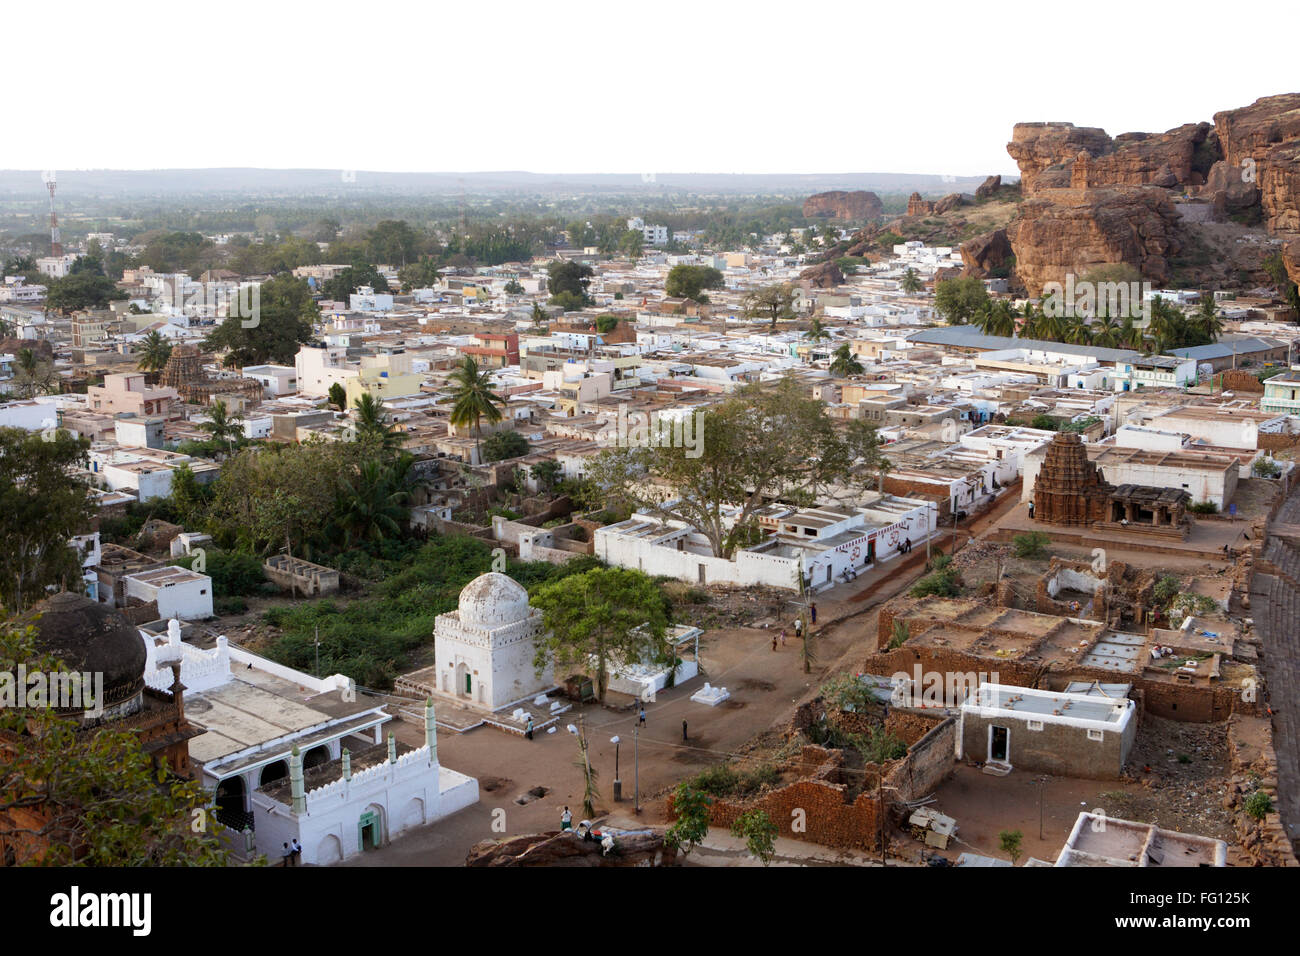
{"type": "Point", "coordinates": [1070, 231]}
{"type": "Point", "coordinates": [983, 254]}
{"type": "Point", "coordinates": [826, 275]}
{"type": "Point", "coordinates": [1037, 147]}
{"type": "Point", "coordinates": [843, 205]}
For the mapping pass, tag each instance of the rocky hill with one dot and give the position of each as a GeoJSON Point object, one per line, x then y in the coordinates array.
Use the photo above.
{"type": "Point", "coordinates": [854, 206]}
{"type": "Point", "coordinates": [1178, 205]}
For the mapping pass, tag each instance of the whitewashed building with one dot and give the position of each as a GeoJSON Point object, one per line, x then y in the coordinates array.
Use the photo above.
{"type": "Point", "coordinates": [485, 648]}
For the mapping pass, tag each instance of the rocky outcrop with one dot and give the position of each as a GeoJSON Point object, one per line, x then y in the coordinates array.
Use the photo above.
{"type": "Point", "coordinates": [1038, 147]}
{"type": "Point", "coordinates": [1180, 157]}
{"type": "Point", "coordinates": [985, 253]}
{"type": "Point", "coordinates": [916, 206]}
{"type": "Point", "coordinates": [825, 275]}
{"type": "Point", "coordinates": [1291, 256]}
{"type": "Point", "coordinates": [986, 189]}
{"type": "Point", "coordinates": [566, 848]}
{"type": "Point", "coordinates": [1071, 231]}
{"type": "Point", "coordinates": [843, 205]}
{"type": "Point", "coordinates": [1261, 159]}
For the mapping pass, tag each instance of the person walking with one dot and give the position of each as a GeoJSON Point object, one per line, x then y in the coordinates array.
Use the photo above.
{"type": "Point", "coordinates": [798, 628]}
{"type": "Point", "coordinates": [684, 737]}
{"type": "Point", "coordinates": [774, 639]}
{"type": "Point", "coordinates": [783, 637]}
{"type": "Point", "coordinates": [566, 820]}
{"type": "Point", "coordinates": [812, 607]}
{"type": "Point", "coordinates": [296, 847]}
{"type": "Point", "coordinates": [641, 716]}
{"type": "Point", "coordinates": [528, 729]}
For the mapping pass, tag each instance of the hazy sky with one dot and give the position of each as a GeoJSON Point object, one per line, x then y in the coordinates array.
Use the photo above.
{"type": "Point", "coordinates": [578, 86]}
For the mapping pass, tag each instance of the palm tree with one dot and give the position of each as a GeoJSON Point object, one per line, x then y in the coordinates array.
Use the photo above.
{"type": "Point", "coordinates": [371, 506]}
{"type": "Point", "coordinates": [221, 426]}
{"type": "Point", "coordinates": [1206, 320]}
{"type": "Point", "coordinates": [373, 425]}
{"type": "Point", "coordinates": [1107, 332]}
{"type": "Point", "coordinates": [33, 374]}
{"type": "Point", "coordinates": [540, 315]}
{"type": "Point", "coordinates": [154, 352]}
{"type": "Point", "coordinates": [816, 331]}
{"type": "Point", "coordinates": [1076, 332]}
{"type": "Point", "coordinates": [845, 364]}
{"type": "Point", "coordinates": [911, 283]}
{"type": "Point", "coordinates": [474, 398]}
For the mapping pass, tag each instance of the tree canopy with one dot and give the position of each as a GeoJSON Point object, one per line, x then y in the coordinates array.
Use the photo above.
{"type": "Point", "coordinates": [689, 282]}
{"type": "Point", "coordinates": [282, 322]}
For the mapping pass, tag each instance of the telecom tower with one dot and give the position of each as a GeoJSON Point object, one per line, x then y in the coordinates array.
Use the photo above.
{"type": "Point", "coordinates": [56, 245]}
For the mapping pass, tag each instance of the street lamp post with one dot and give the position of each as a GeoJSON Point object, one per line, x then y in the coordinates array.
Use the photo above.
{"type": "Point", "coordinates": [636, 770]}
{"type": "Point", "coordinates": [618, 784]}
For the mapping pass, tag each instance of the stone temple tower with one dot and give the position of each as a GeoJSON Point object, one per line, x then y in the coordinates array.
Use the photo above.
{"type": "Point", "coordinates": [1070, 489]}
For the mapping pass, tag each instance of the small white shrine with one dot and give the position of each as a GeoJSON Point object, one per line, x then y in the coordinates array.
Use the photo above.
{"type": "Point", "coordinates": [484, 650]}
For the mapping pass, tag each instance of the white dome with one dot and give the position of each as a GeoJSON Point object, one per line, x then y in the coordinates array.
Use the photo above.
{"type": "Point", "coordinates": [493, 600]}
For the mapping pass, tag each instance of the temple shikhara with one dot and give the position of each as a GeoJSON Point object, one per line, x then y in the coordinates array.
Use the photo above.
{"type": "Point", "coordinates": [1071, 490]}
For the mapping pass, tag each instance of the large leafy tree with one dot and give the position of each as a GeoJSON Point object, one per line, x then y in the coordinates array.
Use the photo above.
{"type": "Point", "coordinates": [282, 322]}
{"type": "Point", "coordinates": [91, 797]}
{"type": "Point", "coordinates": [393, 241]}
{"type": "Point", "coordinates": [762, 444]}
{"type": "Point", "coordinates": [44, 501]}
{"type": "Point", "coordinates": [958, 300]}
{"type": "Point", "coordinates": [81, 290]}
{"type": "Point", "coordinates": [353, 278]}
{"type": "Point", "coordinates": [474, 399]}
{"type": "Point", "coordinates": [689, 282]}
{"type": "Point", "coordinates": [771, 303]}
{"type": "Point", "coordinates": [572, 278]}
{"type": "Point", "coordinates": [599, 619]}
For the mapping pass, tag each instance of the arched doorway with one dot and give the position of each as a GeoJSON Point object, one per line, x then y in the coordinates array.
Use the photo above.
{"type": "Point", "coordinates": [464, 681]}
{"type": "Point", "coordinates": [230, 802]}
{"type": "Point", "coordinates": [272, 772]}
{"type": "Point", "coordinates": [329, 850]}
{"type": "Point", "coordinates": [315, 757]}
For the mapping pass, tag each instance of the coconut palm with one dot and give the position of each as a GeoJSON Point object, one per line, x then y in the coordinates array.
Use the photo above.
{"type": "Point", "coordinates": [371, 505]}
{"type": "Point", "coordinates": [911, 282]}
{"type": "Point", "coordinates": [222, 426]}
{"type": "Point", "coordinates": [154, 352]}
{"type": "Point", "coordinates": [1076, 332]}
{"type": "Point", "coordinates": [474, 398]}
{"type": "Point", "coordinates": [1107, 332]}
{"type": "Point", "coordinates": [844, 363]}
{"type": "Point", "coordinates": [1206, 321]}
{"type": "Point", "coordinates": [816, 331]}
{"type": "Point", "coordinates": [372, 424]}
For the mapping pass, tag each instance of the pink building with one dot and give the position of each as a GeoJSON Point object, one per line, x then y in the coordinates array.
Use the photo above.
{"type": "Point", "coordinates": [129, 393]}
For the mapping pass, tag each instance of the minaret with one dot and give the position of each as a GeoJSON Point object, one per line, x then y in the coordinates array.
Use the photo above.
{"type": "Point", "coordinates": [295, 782]}
{"type": "Point", "coordinates": [392, 748]}
{"type": "Point", "coordinates": [430, 731]}
{"type": "Point", "coordinates": [347, 764]}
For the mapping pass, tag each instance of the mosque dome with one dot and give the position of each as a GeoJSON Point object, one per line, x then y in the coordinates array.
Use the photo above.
{"type": "Point", "coordinates": [90, 637]}
{"type": "Point", "coordinates": [493, 600]}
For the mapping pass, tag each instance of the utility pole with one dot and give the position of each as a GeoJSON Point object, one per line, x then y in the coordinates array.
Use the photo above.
{"type": "Point", "coordinates": [317, 673]}
{"type": "Point", "coordinates": [636, 771]}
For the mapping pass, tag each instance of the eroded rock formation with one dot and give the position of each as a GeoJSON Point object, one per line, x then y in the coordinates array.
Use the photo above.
{"type": "Point", "coordinates": [1071, 231]}
{"type": "Point", "coordinates": [987, 188]}
{"type": "Point", "coordinates": [826, 275]}
{"type": "Point", "coordinates": [1038, 147]}
{"type": "Point", "coordinates": [860, 204]}
{"type": "Point", "coordinates": [985, 253]}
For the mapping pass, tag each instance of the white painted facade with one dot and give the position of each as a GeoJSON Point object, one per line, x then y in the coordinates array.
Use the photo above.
{"type": "Point", "coordinates": [485, 648]}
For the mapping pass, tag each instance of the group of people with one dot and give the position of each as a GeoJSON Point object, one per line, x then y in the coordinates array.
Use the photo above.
{"type": "Point", "coordinates": [292, 853]}
{"type": "Point", "coordinates": [798, 626]}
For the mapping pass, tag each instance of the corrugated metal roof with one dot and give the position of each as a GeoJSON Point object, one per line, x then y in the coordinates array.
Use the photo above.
{"type": "Point", "coordinates": [967, 336]}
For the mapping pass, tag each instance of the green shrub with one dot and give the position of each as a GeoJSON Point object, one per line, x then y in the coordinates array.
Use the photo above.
{"type": "Point", "coordinates": [1032, 544]}
{"type": "Point", "coordinates": [1203, 508]}
{"type": "Point", "coordinates": [1165, 589]}
{"type": "Point", "coordinates": [1259, 804]}
{"type": "Point", "coordinates": [939, 584]}
{"type": "Point", "coordinates": [1266, 468]}
{"type": "Point", "coordinates": [230, 605]}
